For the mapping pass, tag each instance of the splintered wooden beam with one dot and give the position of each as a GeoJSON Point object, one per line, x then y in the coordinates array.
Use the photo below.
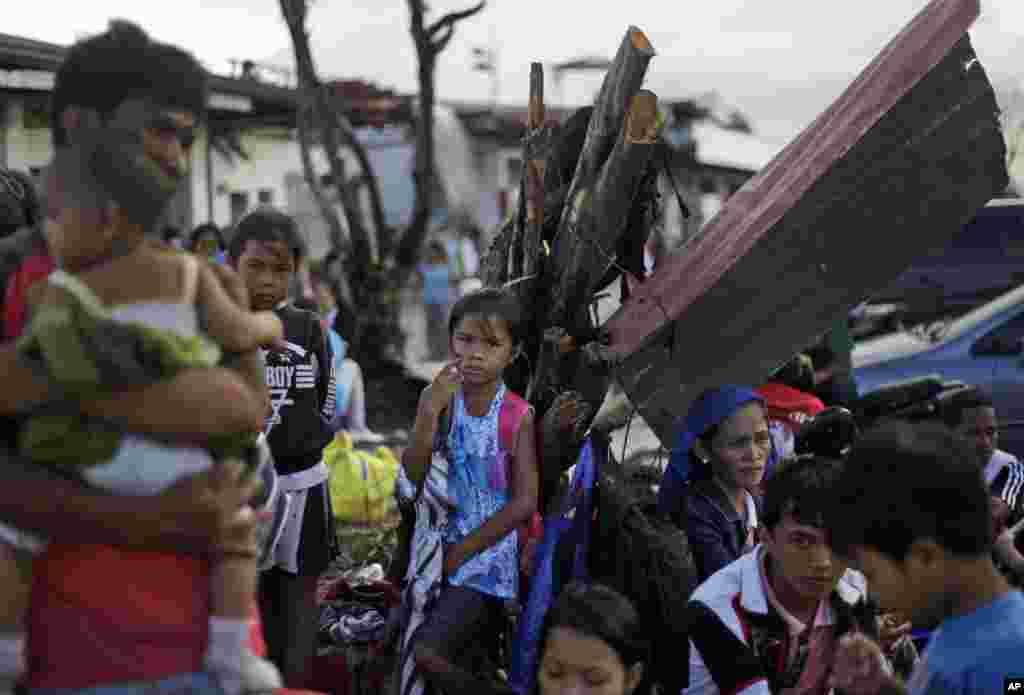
{"type": "Point", "coordinates": [615, 151]}
{"type": "Point", "coordinates": [620, 86]}
{"type": "Point", "coordinates": [894, 167]}
{"type": "Point", "coordinates": [514, 255]}
{"type": "Point", "coordinates": [599, 212]}
{"type": "Point", "coordinates": [535, 154]}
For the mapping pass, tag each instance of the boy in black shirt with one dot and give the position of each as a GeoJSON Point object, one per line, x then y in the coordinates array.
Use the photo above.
{"type": "Point", "coordinates": [265, 250]}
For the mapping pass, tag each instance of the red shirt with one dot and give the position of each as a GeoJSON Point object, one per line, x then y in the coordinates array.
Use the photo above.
{"type": "Point", "coordinates": [789, 405]}
{"type": "Point", "coordinates": [34, 268]}
{"type": "Point", "coordinates": [104, 615]}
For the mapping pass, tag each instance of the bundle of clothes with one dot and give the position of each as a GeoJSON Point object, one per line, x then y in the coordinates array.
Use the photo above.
{"type": "Point", "coordinates": [354, 608]}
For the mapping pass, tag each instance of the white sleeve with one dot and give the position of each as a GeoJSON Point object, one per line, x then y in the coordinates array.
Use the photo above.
{"type": "Point", "coordinates": [701, 682]}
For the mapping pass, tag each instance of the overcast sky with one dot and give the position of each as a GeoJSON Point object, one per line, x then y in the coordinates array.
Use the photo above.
{"type": "Point", "coordinates": [779, 61]}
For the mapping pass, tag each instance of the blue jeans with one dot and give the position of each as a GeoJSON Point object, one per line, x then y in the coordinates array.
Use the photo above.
{"type": "Point", "coordinates": [185, 684]}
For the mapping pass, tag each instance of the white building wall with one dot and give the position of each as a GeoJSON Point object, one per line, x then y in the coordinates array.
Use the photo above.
{"type": "Point", "coordinates": [25, 149]}
{"type": "Point", "coordinates": [274, 165]}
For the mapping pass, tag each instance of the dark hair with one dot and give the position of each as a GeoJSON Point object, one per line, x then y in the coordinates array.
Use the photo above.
{"type": "Point", "coordinates": [801, 487]}
{"type": "Point", "coordinates": [490, 302]}
{"type": "Point", "coordinates": [267, 225]}
{"type": "Point", "coordinates": [602, 613]}
{"type": "Point", "coordinates": [905, 482]}
{"type": "Point", "coordinates": [104, 71]}
{"type": "Point", "coordinates": [206, 229]}
{"type": "Point", "coordinates": [955, 406]}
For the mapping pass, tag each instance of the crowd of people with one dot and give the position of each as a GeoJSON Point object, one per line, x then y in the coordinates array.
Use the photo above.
{"type": "Point", "coordinates": [165, 503]}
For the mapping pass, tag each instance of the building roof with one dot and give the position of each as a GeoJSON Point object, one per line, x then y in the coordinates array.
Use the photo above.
{"type": "Point", "coordinates": [19, 53]}
{"type": "Point", "coordinates": [731, 149]}
{"type": "Point", "coordinates": [367, 104]}
{"type": "Point", "coordinates": [716, 146]}
{"type": "Point", "coordinates": [507, 124]}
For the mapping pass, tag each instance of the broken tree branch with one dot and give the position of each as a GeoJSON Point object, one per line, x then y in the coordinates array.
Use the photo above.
{"type": "Point", "coordinates": [368, 178]}
{"type": "Point", "coordinates": [584, 238]}
{"type": "Point", "coordinates": [439, 44]}
{"type": "Point", "coordinates": [428, 47]}
{"type": "Point", "coordinates": [621, 83]}
{"type": "Point", "coordinates": [326, 121]}
{"type": "Point", "coordinates": [535, 152]}
{"type": "Point", "coordinates": [450, 19]}
{"type": "Point", "coordinates": [330, 216]}
{"type": "Point", "coordinates": [599, 215]}
{"type": "Point", "coordinates": [294, 12]}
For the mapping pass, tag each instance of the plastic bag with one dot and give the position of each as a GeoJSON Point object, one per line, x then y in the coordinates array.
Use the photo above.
{"type": "Point", "coordinates": [362, 483]}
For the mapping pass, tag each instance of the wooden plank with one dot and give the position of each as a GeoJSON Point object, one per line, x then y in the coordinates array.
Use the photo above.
{"type": "Point", "coordinates": [902, 159]}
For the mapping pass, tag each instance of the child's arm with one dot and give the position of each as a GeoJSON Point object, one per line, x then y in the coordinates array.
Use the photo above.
{"type": "Point", "coordinates": [230, 325]}
{"type": "Point", "coordinates": [416, 457]}
{"type": "Point", "coordinates": [253, 369]}
{"type": "Point", "coordinates": [193, 406]}
{"type": "Point", "coordinates": [519, 509]}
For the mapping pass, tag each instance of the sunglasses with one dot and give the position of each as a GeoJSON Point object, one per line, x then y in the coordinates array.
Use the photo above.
{"type": "Point", "coordinates": [167, 127]}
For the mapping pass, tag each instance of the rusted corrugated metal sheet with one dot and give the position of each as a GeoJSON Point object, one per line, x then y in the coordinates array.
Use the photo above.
{"type": "Point", "coordinates": [894, 167]}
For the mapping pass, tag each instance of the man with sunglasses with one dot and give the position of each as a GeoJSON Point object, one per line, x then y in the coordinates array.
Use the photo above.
{"type": "Point", "coordinates": [124, 113]}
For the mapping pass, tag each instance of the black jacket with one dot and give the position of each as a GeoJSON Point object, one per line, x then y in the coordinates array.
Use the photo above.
{"type": "Point", "coordinates": [302, 392]}
{"type": "Point", "coordinates": [715, 531]}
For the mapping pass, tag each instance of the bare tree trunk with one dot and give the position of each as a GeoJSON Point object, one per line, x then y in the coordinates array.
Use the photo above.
{"type": "Point", "coordinates": [321, 111]}
{"type": "Point", "coordinates": [430, 40]}
{"type": "Point", "coordinates": [373, 316]}
{"type": "Point", "coordinates": [368, 178]}
{"type": "Point", "coordinates": [328, 212]}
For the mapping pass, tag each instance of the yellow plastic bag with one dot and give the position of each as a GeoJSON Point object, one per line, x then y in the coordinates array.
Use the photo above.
{"type": "Point", "coordinates": [362, 484]}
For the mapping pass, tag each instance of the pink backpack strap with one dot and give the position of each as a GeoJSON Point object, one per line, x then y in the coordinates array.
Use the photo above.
{"type": "Point", "coordinates": [510, 418]}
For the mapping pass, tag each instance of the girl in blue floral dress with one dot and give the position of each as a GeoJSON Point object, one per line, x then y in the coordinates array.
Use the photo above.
{"type": "Point", "coordinates": [493, 490]}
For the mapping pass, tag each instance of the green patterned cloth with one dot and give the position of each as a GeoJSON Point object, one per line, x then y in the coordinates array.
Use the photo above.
{"type": "Point", "coordinates": [85, 352]}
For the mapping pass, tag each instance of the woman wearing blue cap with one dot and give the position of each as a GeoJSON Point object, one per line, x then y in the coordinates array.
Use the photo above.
{"type": "Point", "coordinates": [719, 460]}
